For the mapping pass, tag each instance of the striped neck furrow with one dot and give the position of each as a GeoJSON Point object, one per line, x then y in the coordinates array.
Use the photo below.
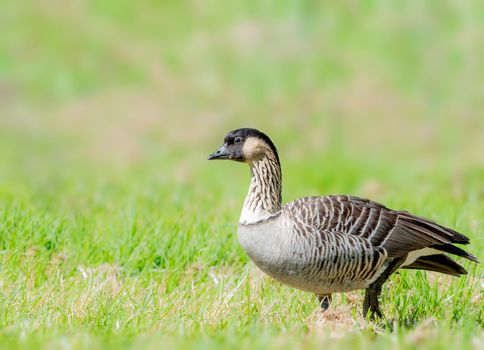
{"type": "Point", "coordinates": [264, 198]}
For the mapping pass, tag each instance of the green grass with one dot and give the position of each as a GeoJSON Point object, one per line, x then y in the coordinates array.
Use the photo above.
{"type": "Point", "coordinates": [158, 264]}
{"type": "Point", "coordinates": [115, 232]}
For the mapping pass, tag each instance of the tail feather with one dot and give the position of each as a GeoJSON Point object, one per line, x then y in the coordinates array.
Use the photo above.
{"type": "Point", "coordinates": [438, 263]}
{"type": "Point", "coordinates": [442, 238]}
{"type": "Point", "coordinates": [452, 249]}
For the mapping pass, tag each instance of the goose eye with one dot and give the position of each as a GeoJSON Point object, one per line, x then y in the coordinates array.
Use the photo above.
{"type": "Point", "coordinates": [237, 139]}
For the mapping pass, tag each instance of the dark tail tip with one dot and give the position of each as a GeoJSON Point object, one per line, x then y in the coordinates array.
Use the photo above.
{"type": "Point", "coordinates": [438, 263]}
{"type": "Point", "coordinates": [452, 249]}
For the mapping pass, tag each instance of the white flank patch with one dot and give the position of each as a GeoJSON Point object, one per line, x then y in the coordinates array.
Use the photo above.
{"type": "Point", "coordinates": [412, 256]}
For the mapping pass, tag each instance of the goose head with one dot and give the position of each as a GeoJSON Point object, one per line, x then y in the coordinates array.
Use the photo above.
{"type": "Point", "coordinates": [245, 145]}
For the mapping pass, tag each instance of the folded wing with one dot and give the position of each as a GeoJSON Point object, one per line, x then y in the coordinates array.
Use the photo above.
{"type": "Point", "coordinates": [399, 233]}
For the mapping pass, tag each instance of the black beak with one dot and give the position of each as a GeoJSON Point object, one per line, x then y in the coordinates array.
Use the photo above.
{"type": "Point", "coordinates": [222, 153]}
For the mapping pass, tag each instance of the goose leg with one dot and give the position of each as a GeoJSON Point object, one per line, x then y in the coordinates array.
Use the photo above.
{"type": "Point", "coordinates": [324, 301]}
{"type": "Point", "coordinates": [371, 303]}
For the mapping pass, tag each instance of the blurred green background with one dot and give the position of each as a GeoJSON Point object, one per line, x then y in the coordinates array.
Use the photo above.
{"type": "Point", "coordinates": [122, 83]}
{"type": "Point", "coordinates": [108, 110]}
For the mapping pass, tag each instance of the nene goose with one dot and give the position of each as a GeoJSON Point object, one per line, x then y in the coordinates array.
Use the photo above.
{"type": "Point", "coordinates": [336, 243]}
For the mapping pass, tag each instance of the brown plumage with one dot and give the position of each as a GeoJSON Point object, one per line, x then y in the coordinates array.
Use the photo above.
{"type": "Point", "coordinates": [398, 232]}
{"type": "Point", "coordinates": [334, 243]}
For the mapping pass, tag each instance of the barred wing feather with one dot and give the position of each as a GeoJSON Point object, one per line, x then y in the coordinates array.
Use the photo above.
{"type": "Point", "coordinates": [397, 232]}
